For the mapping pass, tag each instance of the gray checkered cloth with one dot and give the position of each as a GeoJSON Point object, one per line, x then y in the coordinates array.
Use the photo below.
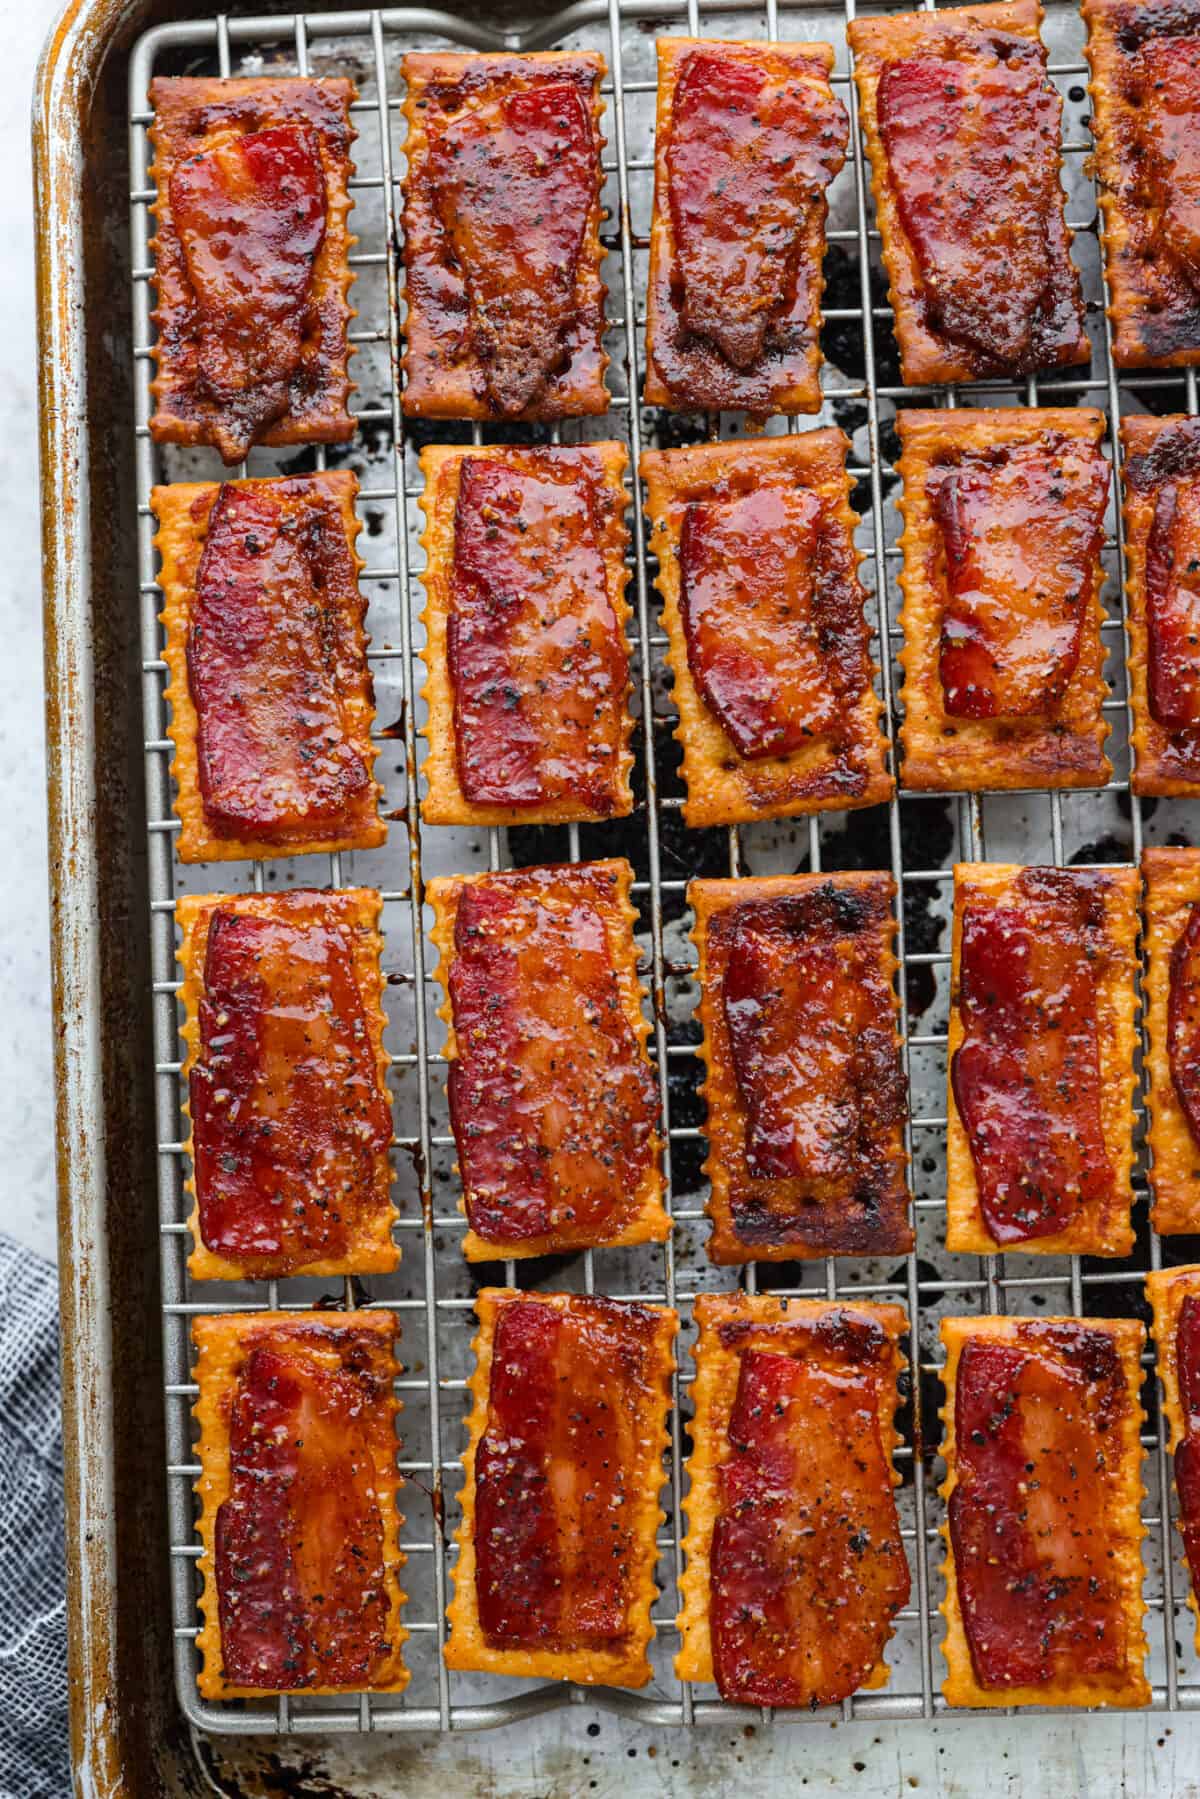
{"type": "Point", "coordinates": [34, 1761]}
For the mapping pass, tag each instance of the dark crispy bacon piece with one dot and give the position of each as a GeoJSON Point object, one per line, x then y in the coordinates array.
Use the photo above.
{"type": "Point", "coordinates": [1026, 1075]}
{"type": "Point", "coordinates": [1187, 1452]}
{"type": "Point", "coordinates": [808, 1568]}
{"type": "Point", "coordinates": [748, 157]}
{"type": "Point", "coordinates": [288, 1116]}
{"type": "Point", "coordinates": [553, 1538]}
{"type": "Point", "coordinates": [514, 182]}
{"type": "Point", "coordinates": [250, 214]}
{"type": "Point", "coordinates": [810, 1026]}
{"type": "Point", "coordinates": [552, 1102]}
{"type": "Point", "coordinates": [1173, 605]}
{"type": "Point", "coordinates": [972, 146]}
{"type": "Point", "coordinates": [1027, 1516]}
{"type": "Point", "coordinates": [299, 1541]}
{"type": "Point", "coordinates": [1022, 528]}
{"type": "Point", "coordinates": [538, 665]}
{"type": "Point", "coordinates": [772, 609]}
{"type": "Point", "coordinates": [1169, 124]}
{"type": "Point", "coordinates": [1183, 1021]}
{"type": "Point", "coordinates": [270, 654]}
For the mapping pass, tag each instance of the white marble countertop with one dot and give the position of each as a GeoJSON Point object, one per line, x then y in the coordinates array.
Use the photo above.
{"type": "Point", "coordinates": [1085, 1758]}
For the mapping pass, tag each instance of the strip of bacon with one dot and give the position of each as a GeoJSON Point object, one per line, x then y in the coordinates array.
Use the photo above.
{"type": "Point", "coordinates": [1022, 528]}
{"type": "Point", "coordinates": [288, 1117]}
{"type": "Point", "coordinates": [1027, 1516]}
{"type": "Point", "coordinates": [1026, 1076]}
{"type": "Point", "coordinates": [749, 155]}
{"type": "Point", "coordinates": [809, 1017]}
{"type": "Point", "coordinates": [777, 639]}
{"type": "Point", "coordinates": [553, 1473]}
{"type": "Point", "coordinates": [808, 1568]}
{"type": "Point", "coordinates": [299, 1541]}
{"type": "Point", "coordinates": [269, 655]}
{"type": "Point", "coordinates": [1173, 605]}
{"type": "Point", "coordinates": [972, 146]}
{"type": "Point", "coordinates": [250, 214]}
{"type": "Point", "coordinates": [1187, 1452]}
{"type": "Point", "coordinates": [1183, 1020]}
{"type": "Point", "coordinates": [537, 662]}
{"type": "Point", "coordinates": [552, 1102]}
{"type": "Point", "coordinates": [1169, 123]}
{"type": "Point", "coordinates": [514, 182]}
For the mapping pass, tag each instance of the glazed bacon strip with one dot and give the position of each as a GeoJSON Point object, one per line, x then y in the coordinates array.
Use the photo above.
{"type": "Point", "coordinates": [1021, 529]}
{"type": "Point", "coordinates": [1183, 1020]}
{"type": "Point", "coordinates": [777, 639]}
{"type": "Point", "coordinates": [972, 146]}
{"type": "Point", "coordinates": [1026, 1076]}
{"type": "Point", "coordinates": [1033, 1435]}
{"type": "Point", "coordinates": [808, 1568]}
{"type": "Point", "coordinates": [749, 155]}
{"type": "Point", "coordinates": [288, 1117]}
{"type": "Point", "coordinates": [514, 180]}
{"type": "Point", "coordinates": [250, 212]}
{"type": "Point", "coordinates": [537, 661]}
{"type": "Point", "coordinates": [552, 1102]}
{"type": "Point", "coordinates": [1168, 67]}
{"type": "Point", "coordinates": [1187, 1452]}
{"type": "Point", "coordinates": [299, 1541]}
{"type": "Point", "coordinates": [556, 1470]}
{"type": "Point", "coordinates": [1173, 605]}
{"type": "Point", "coordinates": [270, 652]}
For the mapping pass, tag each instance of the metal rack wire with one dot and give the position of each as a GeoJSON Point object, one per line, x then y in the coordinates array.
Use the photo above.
{"type": "Point", "coordinates": [920, 838]}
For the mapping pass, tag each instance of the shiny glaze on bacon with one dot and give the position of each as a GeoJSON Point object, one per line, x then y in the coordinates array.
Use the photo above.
{"type": "Point", "coordinates": [249, 210]}
{"type": "Point", "coordinates": [514, 178]}
{"type": "Point", "coordinates": [972, 146]}
{"type": "Point", "coordinates": [1183, 1020]}
{"type": "Point", "coordinates": [1021, 530]}
{"type": "Point", "coordinates": [557, 1470]}
{"type": "Point", "coordinates": [1026, 1076]}
{"type": "Point", "coordinates": [1164, 84]}
{"type": "Point", "coordinates": [1187, 1451]}
{"type": "Point", "coordinates": [552, 1102]}
{"type": "Point", "coordinates": [1173, 606]}
{"type": "Point", "coordinates": [1034, 1433]}
{"type": "Point", "coordinates": [272, 651]}
{"type": "Point", "coordinates": [808, 1568]}
{"type": "Point", "coordinates": [300, 1569]}
{"type": "Point", "coordinates": [750, 154]}
{"type": "Point", "coordinates": [537, 661]}
{"type": "Point", "coordinates": [777, 639]}
{"type": "Point", "coordinates": [289, 1120]}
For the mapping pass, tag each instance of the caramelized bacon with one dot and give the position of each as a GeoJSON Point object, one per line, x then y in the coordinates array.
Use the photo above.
{"type": "Point", "coordinates": [553, 1473]}
{"type": "Point", "coordinates": [1021, 528]}
{"type": "Point", "coordinates": [552, 1102]}
{"type": "Point", "coordinates": [1168, 68]}
{"type": "Point", "coordinates": [972, 146]}
{"type": "Point", "coordinates": [270, 654]}
{"type": "Point", "coordinates": [250, 214]}
{"type": "Point", "coordinates": [1187, 1451]}
{"type": "Point", "coordinates": [1027, 1516]}
{"type": "Point", "coordinates": [1173, 605]}
{"type": "Point", "coordinates": [299, 1541]}
{"type": "Point", "coordinates": [288, 1116]}
{"type": "Point", "coordinates": [808, 1568]}
{"type": "Point", "coordinates": [1026, 1076]}
{"type": "Point", "coordinates": [777, 640]}
{"type": "Point", "coordinates": [750, 153]}
{"type": "Point", "coordinates": [514, 178]}
{"type": "Point", "coordinates": [1183, 1021]}
{"type": "Point", "coordinates": [537, 660]}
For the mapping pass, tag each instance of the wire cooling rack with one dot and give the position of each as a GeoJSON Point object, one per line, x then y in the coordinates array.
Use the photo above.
{"type": "Point", "coordinates": [918, 836]}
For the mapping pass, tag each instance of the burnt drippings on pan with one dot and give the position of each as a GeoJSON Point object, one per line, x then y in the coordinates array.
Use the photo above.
{"type": "Point", "coordinates": [290, 1120]}
{"type": "Point", "coordinates": [552, 1102]}
{"type": "Point", "coordinates": [842, 338]}
{"type": "Point", "coordinates": [538, 666]}
{"type": "Point", "coordinates": [558, 1470]}
{"type": "Point", "coordinates": [274, 652]}
{"type": "Point", "coordinates": [972, 145]}
{"type": "Point", "coordinates": [1021, 527]}
{"type": "Point", "coordinates": [299, 1555]}
{"type": "Point", "coordinates": [250, 212]}
{"type": "Point", "coordinates": [927, 838]}
{"type": "Point", "coordinates": [1026, 1076]}
{"type": "Point", "coordinates": [1036, 1424]}
{"type": "Point", "coordinates": [772, 609]}
{"type": "Point", "coordinates": [808, 1566]}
